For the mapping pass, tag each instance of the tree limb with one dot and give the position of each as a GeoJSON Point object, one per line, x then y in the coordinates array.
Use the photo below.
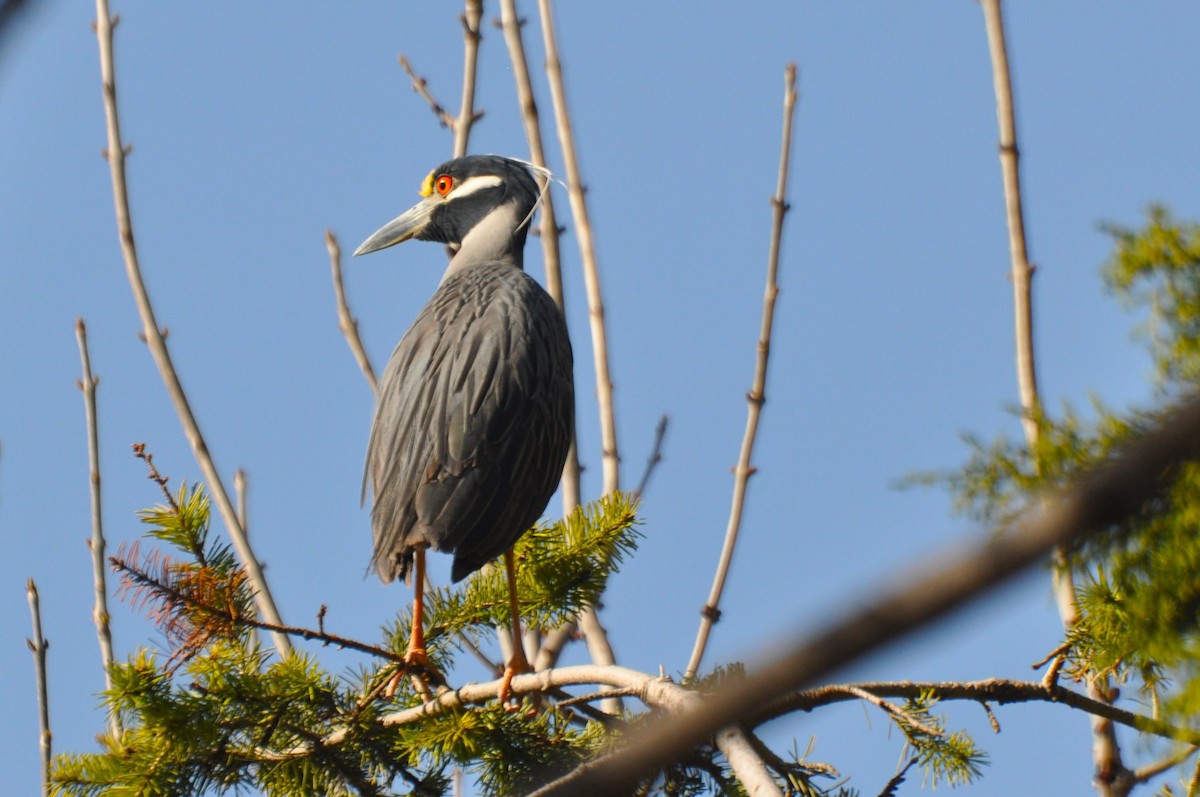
{"type": "Point", "coordinates": [1100, 498]}
{"type": "Point", "coordinates": [997, 690]}
{"type": "Point", "coordinates": [157, 343]}
{"type": "Point", "coordinates": [100, 616]}
{"type": "Point", "coordinates": [757, 395]}
{"type": "Point", "coordinates": [38, 646]}
{"type": "Point", "coordinates": [421, 86]}
{"type": "Point", "coordinates": [346, 320]}
{"type": "Point", "coordinates": [470, 19]}
{"type": "Point", "coordinates": [591, 273]}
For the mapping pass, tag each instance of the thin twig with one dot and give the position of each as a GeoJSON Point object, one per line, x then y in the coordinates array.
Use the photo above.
{"type": "Point", "coordinates": [38, 646]}
{"type": "Point", "coordinates": [467, 116]}
{"type": "Point", "coordinates": [123, 566]}
{"type": "Point", "coordinates": [591, 273]}
{"type": "Point", "coordinates": [1193, 787]}
{"type": "Point", "coordinates": [243, 508]}
{"type": "Point", "coordinates": [1002, 691]}
{"type": "Point", "coordinates": [1100, 499]}
{"type": "Point", "coordinates": [757, 395]}
{"type": "Point", "coordinates": [420, 86]}
{"type": "Point", "coordinates": [1022, 271]}
{"type": "Point", "coordinates": [1156, 768]}
{"type": "Point", "coordinates": [100, 616]}
{"type": "Point", "coordinates": [346, 320]}
{"type": "Point", "coordinates": [895, 712]}
{"type": "Point", "coordinates": [660, 432]}
{"type": "Point", "coordinates": [154, 338]}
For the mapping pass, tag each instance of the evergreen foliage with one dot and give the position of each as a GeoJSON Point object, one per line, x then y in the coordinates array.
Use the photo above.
{"type": "Point", "coordinates": [218, 713]}
{"type": "Point", "coordinates": [1138, 586]}
{"type": "Point", "coordinates": [215, 713]}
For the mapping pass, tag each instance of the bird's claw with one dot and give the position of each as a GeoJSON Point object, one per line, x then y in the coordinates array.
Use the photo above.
{"type": "Point", "coordinates": [505, 691]}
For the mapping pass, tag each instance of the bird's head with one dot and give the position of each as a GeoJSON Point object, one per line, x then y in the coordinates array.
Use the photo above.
{"type": "Point", "coordinates": [482, 203]}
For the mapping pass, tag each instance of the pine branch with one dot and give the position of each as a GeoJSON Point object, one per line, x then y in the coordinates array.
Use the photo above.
{"type": "Point", "coordinates": [1100, 499]}
{"type": "Point", "coordinates": [996, 690]}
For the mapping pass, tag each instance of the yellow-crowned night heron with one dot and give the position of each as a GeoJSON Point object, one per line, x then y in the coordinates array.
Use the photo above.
{"type": "Point", "coordinates": [476, 407]}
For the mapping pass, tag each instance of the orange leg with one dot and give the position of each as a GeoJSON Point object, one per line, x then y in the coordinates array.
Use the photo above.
{"type": "Point", "coordinates": [518, 663]}
{"type": "Point", "coordinates": [416, 653]}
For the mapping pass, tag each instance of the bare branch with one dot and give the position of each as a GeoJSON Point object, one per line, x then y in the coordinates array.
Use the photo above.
{"type": "Point", "coordinates": [660, 433]}
{"type": "Point", "coordinates": [154, 338]}
{"type": "Point", "coordinates": [1100, 498]}
{"type": "Point", "coordinates": [420, 86]}
{"type": "Point", "coordinates": [346, 320]}
{"type": "Point", "coordinates": [1156, 768]}
{"type": "Point", "coordinates": [656, 692]}
{"type": "Point", "coordinates": [997, 690]}
{"type": "Point", "coordinates": [1111, 778]}
{"type": "Point", "coordinates": [38, 646]}
{"type": "Point", "coordinates": [100, 615]}
{"type": "Point", "coordinates": [734, 744]}
{"type": "Point", "coordinates": [243, 509]}
{"type": "Point", "coordinates": [466, 115]}
{"type": "Point", "coordinates": [1022, 271]}
{"type": "Point", "coordinates": [587, 250]}
{"type": "Point", "coordinates": [757, 395]}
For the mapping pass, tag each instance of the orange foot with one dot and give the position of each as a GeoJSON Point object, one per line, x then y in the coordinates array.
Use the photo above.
{"type": "Point", "coordinates": [417, 664]}
{"type": "Point", "coordinates": [514, 668]}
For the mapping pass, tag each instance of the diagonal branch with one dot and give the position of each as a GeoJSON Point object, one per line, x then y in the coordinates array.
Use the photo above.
{"type": "Point", "coordinates": [652, 462]}
{"type": "Point", "coordinates": [1101, 498]}
{"type": "Point", "coordinates": [757, 395]}
{"type": "Point", "coordinates": [587, 250]}
{"type": "Point", "coordinates": [100, 616]}
{"type": "Point", "coordinates": [346, 320]}
{"type": "Point", "coordinates": [421, 86]}
{"type": "Point", "coordinates": [1156, 768]}
{"type": "Point", "coordinates": [157, 344]}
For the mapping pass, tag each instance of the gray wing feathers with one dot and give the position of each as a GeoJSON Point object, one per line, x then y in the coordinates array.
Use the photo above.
{"type": "Point", "coordinates": [474, 418]}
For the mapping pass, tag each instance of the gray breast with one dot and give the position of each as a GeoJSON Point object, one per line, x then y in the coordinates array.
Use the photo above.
{"type": "Point", "coordinates": [473, 423]}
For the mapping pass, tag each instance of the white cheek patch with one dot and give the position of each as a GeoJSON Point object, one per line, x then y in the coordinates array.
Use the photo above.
{"type": "Point", "coordinates": [474, 184]}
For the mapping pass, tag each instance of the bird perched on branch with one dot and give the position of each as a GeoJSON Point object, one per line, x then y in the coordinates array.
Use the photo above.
{"type": "Point", "coordinates": [476, 407]}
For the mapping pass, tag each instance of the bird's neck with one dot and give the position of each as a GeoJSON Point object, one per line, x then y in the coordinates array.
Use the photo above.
{"type": "Point", "coordinates": [495, 239]}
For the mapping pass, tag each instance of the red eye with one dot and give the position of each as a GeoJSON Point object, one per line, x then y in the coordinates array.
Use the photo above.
{"type": "Point", "coordinates": [444, 184]}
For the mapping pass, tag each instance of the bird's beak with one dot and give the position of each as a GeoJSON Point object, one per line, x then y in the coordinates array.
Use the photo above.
{"type": "Point", "coordinates": [400, 229]}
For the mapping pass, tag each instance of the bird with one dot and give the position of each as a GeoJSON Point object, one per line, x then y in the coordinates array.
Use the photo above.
{"type": "Point", "coordinates": [475, 410]}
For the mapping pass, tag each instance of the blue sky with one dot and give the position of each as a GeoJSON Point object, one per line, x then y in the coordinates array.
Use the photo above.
{"type": "Point", "coordinates": [254, 128]}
